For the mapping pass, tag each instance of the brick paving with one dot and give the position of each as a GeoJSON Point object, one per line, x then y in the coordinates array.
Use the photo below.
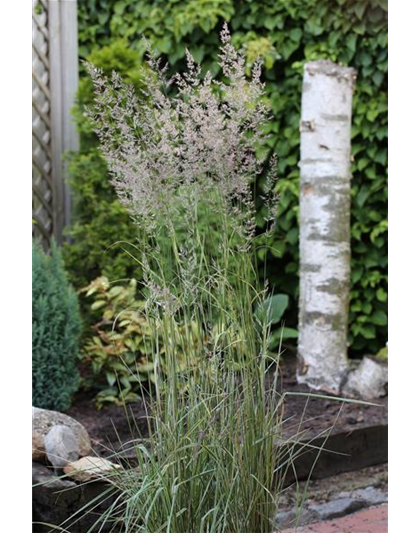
{"type": "Point", "coordinates": [372, 520]}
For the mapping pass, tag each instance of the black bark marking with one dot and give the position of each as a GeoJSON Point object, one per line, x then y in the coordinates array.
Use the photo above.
{"type": "Point", "coordinates": [307, 125]}
{"type": "Point", "coordinates": [308, 267]}
{"type": "Point", "coordinates": [337, 321]}
{"type": "Point", "coordinates": [335, 118]}
{"type": "Point", "coordinates": [334, 287]}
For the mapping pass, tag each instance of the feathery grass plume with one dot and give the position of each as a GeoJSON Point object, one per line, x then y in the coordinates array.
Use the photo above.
{"type": "Point", "coordinates": [183, 167]}
{"type": "Point", "coordinates": [178, 161]}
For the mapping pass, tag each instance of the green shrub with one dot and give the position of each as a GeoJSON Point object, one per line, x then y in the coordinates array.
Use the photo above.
{"type": "Point", "coordinates": [99, 222]}
{"type": "Point", "coordinates": [56, 327]}
{"type": "Point", "coordinates": [98, 219]}
{"type": "Point", "coordinates": [119, 352]}
{"type": "Point", "coordinates": [285, 33]}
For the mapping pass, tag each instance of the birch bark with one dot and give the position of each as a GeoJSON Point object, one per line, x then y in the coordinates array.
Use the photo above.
{"type": "Point", "coordinates": [324, 224]}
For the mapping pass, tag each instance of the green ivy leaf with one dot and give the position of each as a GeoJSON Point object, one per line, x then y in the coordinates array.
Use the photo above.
{"type": "Point", "coordinates": [379, 318]}
{"type": "Point", "coordinates": [351, 42]}
{"type": "Point", "coordinates": [368, 331]}
{"type": "Point", "coordinates": [359, 9]}
{"type": "Point", "coordinates": [296, 34]}
{"type": "Point", "coordinates": [382, 295]}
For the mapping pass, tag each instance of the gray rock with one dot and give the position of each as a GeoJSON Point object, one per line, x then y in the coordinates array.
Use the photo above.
{"type": "Point", "coordinates": [368, 495]}
{"type": "Point", "coordinates": [42, 422]}
{"type": "Point", "coordinates": [371, 496]}
{"type": "Point", "coordinates": [61, 502]}
{"type": "Point", "coordinates": [336, 508]}
{"type": "Point", "coordinates": [61, 446]}
{"type": "Point", "coordinates": [344, 503]}
{"type": "Point", "coordinates": [288, 519]}
{"type": "Point", "coordinates": [285, 519]}
{"type": "Point", "coordinates": [369, 380]}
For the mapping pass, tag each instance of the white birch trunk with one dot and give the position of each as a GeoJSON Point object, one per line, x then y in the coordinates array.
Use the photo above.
{"type": "Point", "coordinates": [324, 224]}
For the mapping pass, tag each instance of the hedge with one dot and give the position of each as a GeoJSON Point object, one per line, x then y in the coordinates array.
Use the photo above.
{"type": "Point", "coordinates": [285, 33]}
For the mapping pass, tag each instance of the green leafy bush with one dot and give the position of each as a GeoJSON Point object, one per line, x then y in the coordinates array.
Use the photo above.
{"type": "Point", "coordinates": [119, 352]}
{"type": "Point", "coordinates": [99, 220]}
{"type": "Point", "coordinates": [56, 327]}
{"type": "Point", "coordinates": [285, 33]}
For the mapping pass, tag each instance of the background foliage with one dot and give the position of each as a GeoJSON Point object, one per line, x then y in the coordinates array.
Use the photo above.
{"type": "Point", "coordinates": [286, 33]}
{"type": "Point", "coordinates": [99, 220]}
{"type": "Point", "coordinates": [56, 327]}
{"type": "Point", "coordinates": [124, 343]}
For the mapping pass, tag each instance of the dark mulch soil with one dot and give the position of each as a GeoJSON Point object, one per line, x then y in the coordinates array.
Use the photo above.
{"type": "Point", "coordinates": [112, 427]}
{"type": "Point", "coordinates": [316, 415]}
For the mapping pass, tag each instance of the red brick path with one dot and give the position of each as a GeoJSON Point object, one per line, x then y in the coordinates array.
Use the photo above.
{"type": "Point", "coordinates": [373, 520]}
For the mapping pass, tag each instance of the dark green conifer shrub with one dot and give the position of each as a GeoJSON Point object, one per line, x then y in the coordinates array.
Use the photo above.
{"type": "Point", "coordinates": [56, 328]}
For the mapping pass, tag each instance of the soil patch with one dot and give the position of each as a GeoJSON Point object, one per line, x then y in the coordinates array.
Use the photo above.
{"type": "Point", "coordinates": [114, 428]}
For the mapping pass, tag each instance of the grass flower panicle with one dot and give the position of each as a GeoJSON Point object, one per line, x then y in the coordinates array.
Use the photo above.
{"type": "Point", "coordinates": [184, 165]}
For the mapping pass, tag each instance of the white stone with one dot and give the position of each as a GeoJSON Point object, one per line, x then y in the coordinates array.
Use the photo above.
{"type": "Point", "coordinates": [42, 422]}
{"type": "Point", "coordinates": [90, 467]}
{"type": "Point", "coordinates": [61, 446]}
{"type": "Point", "coordinates": [368, 381]}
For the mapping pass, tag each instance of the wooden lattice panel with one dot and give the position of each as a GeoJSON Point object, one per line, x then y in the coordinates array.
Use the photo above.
{"type": "Point", "coordinates": [54, 83]}
{"type": "Point", "coordinates": [42, 180]}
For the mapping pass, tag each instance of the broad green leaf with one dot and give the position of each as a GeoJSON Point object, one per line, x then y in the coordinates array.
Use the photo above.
{"type": "Point", "coordinates": [379, 318]}
{"type": "Point", "coordinates": [273, 308]}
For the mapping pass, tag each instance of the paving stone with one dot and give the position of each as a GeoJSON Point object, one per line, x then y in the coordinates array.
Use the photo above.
{"type": "Point", "coordinates": [372, 520]}
{"type": "Point", "coordinates": [288, 518]}
{"type": "Point", "coordinates": [370, 496]}
{"type": "Point", "coordinates": [336, 508]}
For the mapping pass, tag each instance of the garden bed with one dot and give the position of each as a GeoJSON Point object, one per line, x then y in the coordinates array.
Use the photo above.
{"type": "Point", "coordinates": [358, 437]}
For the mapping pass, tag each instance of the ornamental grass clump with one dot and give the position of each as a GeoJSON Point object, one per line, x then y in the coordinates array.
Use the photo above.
{"type": "Point", "coordinates": [210, 463]}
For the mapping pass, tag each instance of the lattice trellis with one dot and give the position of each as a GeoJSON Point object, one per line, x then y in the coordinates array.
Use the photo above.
{"type": "Point", "coordinates": [54, 82]}
{"type": "Point", "coordinates": [42, 182]}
